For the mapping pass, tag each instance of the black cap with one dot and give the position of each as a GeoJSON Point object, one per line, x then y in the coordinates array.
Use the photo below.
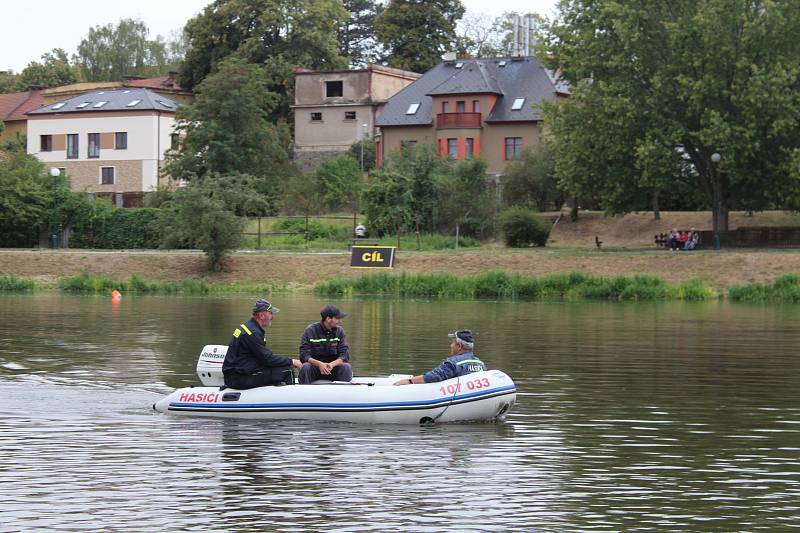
{"type": "Point", "coordinates": [331, 310]}
{"type": "Point", "coordinates": [464, 335]}
{"type": "Point", "coordinates": [264, 305]}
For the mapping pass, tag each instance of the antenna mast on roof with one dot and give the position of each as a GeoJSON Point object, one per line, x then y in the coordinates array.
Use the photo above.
{"type": "Point", "coordinates": [522, 36]}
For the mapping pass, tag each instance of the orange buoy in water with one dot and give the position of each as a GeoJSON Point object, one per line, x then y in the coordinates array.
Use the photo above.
{"type": "Point", "coordinates": [116, 295]}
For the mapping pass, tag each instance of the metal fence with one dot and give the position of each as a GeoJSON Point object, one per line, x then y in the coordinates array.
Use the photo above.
{"type": "Point", "coordinates": [262, 233]}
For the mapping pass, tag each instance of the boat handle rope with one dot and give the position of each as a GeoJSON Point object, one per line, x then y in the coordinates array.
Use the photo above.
{"type": "Point", "coordinates": [452, 398]}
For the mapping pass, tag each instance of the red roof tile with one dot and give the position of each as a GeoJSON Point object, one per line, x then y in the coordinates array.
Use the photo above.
{"type": "Point", "coordinates": [13, 106]}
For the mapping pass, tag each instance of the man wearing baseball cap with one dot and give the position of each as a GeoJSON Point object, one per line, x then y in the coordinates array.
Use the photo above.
{"type": "Point", "coordinates": [249, 362]}
{"type": "Point", "coordinates": [323, 349]}
{"type": "Point", "coordinates": [461, 361]}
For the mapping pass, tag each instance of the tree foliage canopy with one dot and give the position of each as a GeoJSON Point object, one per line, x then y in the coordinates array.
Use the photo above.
{"type": "Point", "coordinates": [110, 52]}
{"type": "Point", "coordinates": [415, 33]}
{"type": "Point", "coordinates": [356, 34]}
{"type": "Point", "coordinates": [530, 179]}
{"type": "Point", "coordinates": [54, 70]}
{"type": "Point", "coordinates": [278, 35]}
{"type": "Point", "coordinates": [658, 87]}
{"type": "Point", "coordinates": [226, 129]}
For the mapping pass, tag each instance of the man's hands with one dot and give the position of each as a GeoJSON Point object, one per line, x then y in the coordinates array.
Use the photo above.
{"type": "Point", "coordinates": [296, 363]}
{"type": "Point", "coordinates": [325, 368]}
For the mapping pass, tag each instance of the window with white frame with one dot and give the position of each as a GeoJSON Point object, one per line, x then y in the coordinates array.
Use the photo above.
{"type": "Point", "coordinates": [107, 175]}
{"type": "Point", "coordinates": [121, 140]}
{"type": "Point", "coordinates": [72, 146]}
{"type": "Point", "coordinates": [513, 147]}
{"type": "Point", "coordinates": [94, 146]}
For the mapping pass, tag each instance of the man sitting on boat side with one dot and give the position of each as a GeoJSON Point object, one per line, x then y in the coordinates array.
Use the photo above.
{"type": "Point", "coordinates": [461, 361]}
{"type": "Point", "coordinates": [323, 349]}
{"type": "Point", "coordinates": [249, 363]}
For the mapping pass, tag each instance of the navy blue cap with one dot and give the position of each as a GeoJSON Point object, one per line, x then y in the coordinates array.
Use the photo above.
{"type": "Point", "coordinates": [264, 305]}
{"type": "Point", "coordinates": [464, 335]}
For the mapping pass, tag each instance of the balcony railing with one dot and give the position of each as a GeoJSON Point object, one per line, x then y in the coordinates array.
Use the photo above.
{"type": "Point", "coordinates": [458, 120]}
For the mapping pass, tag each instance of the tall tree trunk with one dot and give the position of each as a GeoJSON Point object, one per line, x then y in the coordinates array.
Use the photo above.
{"type": "Point", "coordinates": [656, 208]}
{"type": "Point", "coordinates": [573, 214]}
{"type": "Point", "coordinates": [723, 218]}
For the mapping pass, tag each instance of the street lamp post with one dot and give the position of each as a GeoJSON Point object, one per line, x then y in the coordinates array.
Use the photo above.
{"type": "Point", "coordinates": [363, 134]}
{"type": "Point", "coordinates": [715, 186]}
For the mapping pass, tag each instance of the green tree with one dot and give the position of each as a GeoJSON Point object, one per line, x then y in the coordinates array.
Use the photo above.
{"type": "Point", "coordinates": [226, 129]}
{"type": "Point", "coordinates": [415, 33]}
{"type": "Point", "coordinates": [387, 202]}
{"type": "Point", "coordinates": [363, 150]}
{"type": "Point", "coordinates": [301, 194]}
{"type": "Point", "coordinates": [466, 199]}
{"type": "Point", "coordinates": [340, 180]}
{"type": "Point", "coordinates": [530, 180]}
{"type": "Point", "coordinates": [32, 201]}
{"type": "Point", "coordinates": [658, 86]}
{"type": "Point", "coordinates": [9, 82]}
{"type": "Point", "coordinates": [424, 169]}
{"type": "Point", "coordinates": [110, 52]}
{"type": "Point", "coordinates": [204, 215]}
{"type": "Point", "coordinates": [54, 70]}
{"type": "Point", "coordinates": [356, 34]}
{"type": "Point", "coordinates": [278, 35]}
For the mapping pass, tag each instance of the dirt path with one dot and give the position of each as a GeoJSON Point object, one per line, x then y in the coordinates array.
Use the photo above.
{"type": "Point", "coordinates": [720, 269]}
{"type": "Point", "coordinates": [628, 249]}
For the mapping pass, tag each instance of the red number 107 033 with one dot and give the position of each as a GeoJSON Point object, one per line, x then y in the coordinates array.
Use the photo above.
{"type": "Point", "coordinates": [472, 384]}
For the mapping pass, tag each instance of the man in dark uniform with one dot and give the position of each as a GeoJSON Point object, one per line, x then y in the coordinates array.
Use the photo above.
{"type": "Point", "coordinates": [249, 363]}
{"type": "Point", "coordinates": [323, 349]}
{"type": "Point", "coordinates": [461, 361]}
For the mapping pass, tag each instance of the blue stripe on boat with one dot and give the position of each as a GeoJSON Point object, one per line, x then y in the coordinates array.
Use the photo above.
{"type": "Point", "coordinates": [419, 404]}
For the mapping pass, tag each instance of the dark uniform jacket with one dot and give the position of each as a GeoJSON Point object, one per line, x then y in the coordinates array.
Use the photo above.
{"type": "Point", "coordinates": [456, 365]}
{"type": "Point", "coordinates": [323, 345]}
{"type": "Point", "coordinates": [248, 352]}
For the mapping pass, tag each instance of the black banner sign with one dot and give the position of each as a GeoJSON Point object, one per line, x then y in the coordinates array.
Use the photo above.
{"type": "Point", "coordinates": [372, 256]}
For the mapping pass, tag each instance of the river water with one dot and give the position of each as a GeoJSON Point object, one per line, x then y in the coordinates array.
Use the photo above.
{"type": "Point", "coordinates": [656, 416]}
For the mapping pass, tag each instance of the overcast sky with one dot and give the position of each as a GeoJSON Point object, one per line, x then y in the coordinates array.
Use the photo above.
{"type": "Point", "coordinates": [31, 29]}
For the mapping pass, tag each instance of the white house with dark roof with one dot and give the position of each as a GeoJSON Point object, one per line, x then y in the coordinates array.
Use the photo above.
{"type": "Point", "coordinates": [106, 141]}
{"type": "Point", "coordinates": [471, 108]}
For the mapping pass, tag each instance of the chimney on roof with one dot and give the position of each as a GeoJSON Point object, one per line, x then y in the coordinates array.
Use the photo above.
{"type": "Point", "coordinates": [171, 77]}
{"type": "Point", "coordinates": [449, 56]}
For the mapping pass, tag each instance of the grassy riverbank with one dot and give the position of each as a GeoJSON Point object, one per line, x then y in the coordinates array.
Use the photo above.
{"type": "Point", "coordinates": [491, 285]}
{"type": "Point", "coordinates": [502, 285]}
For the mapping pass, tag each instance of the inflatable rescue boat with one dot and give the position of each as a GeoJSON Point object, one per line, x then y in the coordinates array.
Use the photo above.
{"type": "Point", "coordinates": [487, 395]}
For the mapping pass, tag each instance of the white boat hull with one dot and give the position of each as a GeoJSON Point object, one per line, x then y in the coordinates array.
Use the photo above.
{"type": "Point", "coordinates": [479, 396]}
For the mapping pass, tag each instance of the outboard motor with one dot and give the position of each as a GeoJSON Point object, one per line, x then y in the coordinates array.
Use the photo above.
{"type": "Point", "coordinates": [209, 365]}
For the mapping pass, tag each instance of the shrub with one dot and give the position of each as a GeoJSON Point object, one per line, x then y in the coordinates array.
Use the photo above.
{"type": "Point", "coordinates": [522, 227]}
{"type": "Point", "coordinates": [14, 284]}
{"type": "Point", "coordinates": [316, 229]}
{"type": "Point", "coordinates": [113, 228]}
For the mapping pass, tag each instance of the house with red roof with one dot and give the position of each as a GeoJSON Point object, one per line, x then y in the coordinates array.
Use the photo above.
{"type": "Point", "coordinates": [13, 107]}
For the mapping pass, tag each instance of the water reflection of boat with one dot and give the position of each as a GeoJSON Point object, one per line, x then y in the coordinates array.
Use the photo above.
{"type": "Point", "coordinates": [478, 396]}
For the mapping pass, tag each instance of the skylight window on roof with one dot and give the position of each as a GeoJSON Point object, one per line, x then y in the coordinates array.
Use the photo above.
{"type": "Point", "coordinates": [82, 105]}
{"type": "Point", "coordinates": [133, 103]}
{"type": "Point", "coordinates": [517, 105]}
{"type": "Point", "coordinates": [165, 104]}
{"type": "Point", "coordinates": [59, 105]}
{"type": "Point", "coordinates": [102, 92]}
{"type": "Point", "coordinates": [412, 109]}
{"type": "Point", "coordinates": [460, 64]}
{"type": "Point", "coordinates": [100, 104]}
{"type": "Point", "coordinates": [125, 92]}
{"type": "Point", "coordinates": [501, 64]}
